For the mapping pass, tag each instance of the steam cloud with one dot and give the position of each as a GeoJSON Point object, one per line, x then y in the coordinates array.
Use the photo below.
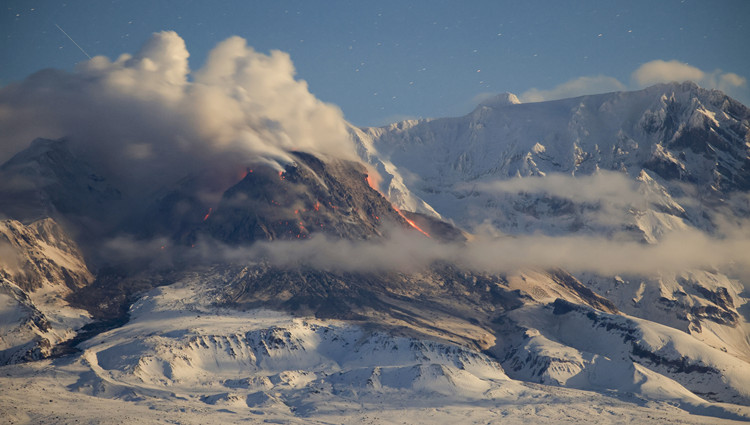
{"type": "Point", "coordinates": [676, 252]}
{"type": "Point", "coordinates": [147, 117]}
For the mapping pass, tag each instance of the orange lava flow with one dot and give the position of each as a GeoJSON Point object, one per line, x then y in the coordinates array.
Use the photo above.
{"type": "Point", "coordinates": [412, 223]}
{"type": "Point", "coordinates": [205, 217]}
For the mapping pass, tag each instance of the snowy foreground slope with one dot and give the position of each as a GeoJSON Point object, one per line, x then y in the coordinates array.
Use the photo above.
{"type": "Point", "coordinates": [181, 360]}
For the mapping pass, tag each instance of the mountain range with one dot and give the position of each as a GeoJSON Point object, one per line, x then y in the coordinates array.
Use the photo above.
{"type": "Point", "coordinates": [579, 260]}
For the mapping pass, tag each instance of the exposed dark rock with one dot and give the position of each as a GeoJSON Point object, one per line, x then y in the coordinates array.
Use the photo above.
{"type": "Point", "coordinates": [681, 365]}
{"type": "Point", "coordinates": [308, 196]}
{"type": "Point", "coordinates": [590, 297]}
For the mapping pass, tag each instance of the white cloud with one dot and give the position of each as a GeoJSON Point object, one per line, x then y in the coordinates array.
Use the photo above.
{"type": "Point", "coordinates": [606, 195]}
{"type": "Point", "coordinates": [650, 73]}
{"type": "Point", "coordinates": [731, 79]}
{"type": "Point", "coordinates": [576, 87]}
{"type": "Point", "coordinates": [677, 251]}
{"type": "Point", "coordinates": [608, 186]}
{"type": "Point", "coordinates": [659, 71]}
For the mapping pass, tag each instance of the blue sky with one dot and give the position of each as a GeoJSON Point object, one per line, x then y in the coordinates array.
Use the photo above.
{"type": "Point", "coordinates": [381, 61]}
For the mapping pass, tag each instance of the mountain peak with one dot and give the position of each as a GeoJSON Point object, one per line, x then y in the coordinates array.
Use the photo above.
{"type": "Point", "coordinates": [39, 149]}
{"type": "Point", "coordinates": [46, 179]}
{"type": "Point", "coordinates": [502, 99]}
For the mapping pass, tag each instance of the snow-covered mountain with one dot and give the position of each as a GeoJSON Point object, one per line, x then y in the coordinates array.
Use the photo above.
{"type": "Point", "coordinates": [628, 166]}
{"type": "Point", "coordinates": [39, 266]}
{"type": "Point", "coordinates": [48, 180]}
{"type": "Point", "coordinates": [308, 291]}
{"type": "Point", "coordinates": [665, 134]}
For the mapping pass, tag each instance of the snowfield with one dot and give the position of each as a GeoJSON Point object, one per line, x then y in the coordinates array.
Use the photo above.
{"type": "Point", "coordinates": [180, 360]}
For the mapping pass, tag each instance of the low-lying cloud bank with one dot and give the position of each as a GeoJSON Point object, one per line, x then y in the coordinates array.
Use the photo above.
{"type": "Point", "coordinates": [676, 252]}
{"type": "Point", "coordinates": [147, 117]}
{"type": "Point", "coordinates": [648, 74]}
{"type": "Point", "coordinates": [603, 186]}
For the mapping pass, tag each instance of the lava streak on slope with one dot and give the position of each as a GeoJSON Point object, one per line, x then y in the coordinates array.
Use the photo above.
{"type": "Point", "coordinates": [208, 214]}
{"type": "Point", "coordinates": [411, 222]}
{"type": "Point", "coordinates": [373, 180]}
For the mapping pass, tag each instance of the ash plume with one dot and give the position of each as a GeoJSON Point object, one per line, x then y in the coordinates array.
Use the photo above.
{"type": "Point", "coordinates": [147, 118]}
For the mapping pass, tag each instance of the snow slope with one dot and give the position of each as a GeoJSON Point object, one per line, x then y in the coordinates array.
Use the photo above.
{"type": "Point", "coordinates": [181, 357]}
{"type": "Point", "coordinates": [39, 266]}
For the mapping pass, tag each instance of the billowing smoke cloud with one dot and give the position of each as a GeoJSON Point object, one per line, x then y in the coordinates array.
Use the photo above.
{"type": "Point", "coordinates": [147, 117]}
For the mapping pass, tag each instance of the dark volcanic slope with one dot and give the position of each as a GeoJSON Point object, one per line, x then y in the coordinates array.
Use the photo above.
{"type": "Point", "coordinates": [308, 196]}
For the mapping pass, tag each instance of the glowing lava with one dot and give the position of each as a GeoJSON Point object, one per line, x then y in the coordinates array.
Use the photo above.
{"type": "Point", "coordinates": [411, 222]}
{"type": "Point", "coordinates": [243, 174]}
{"type": "Point", "coordinates": [373, 179]}
{"type": "Point", "coordinates": [208, 214]}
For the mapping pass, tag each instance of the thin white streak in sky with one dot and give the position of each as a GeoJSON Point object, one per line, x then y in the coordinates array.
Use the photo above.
{"type": "Point", "coordinates": [74, 42]}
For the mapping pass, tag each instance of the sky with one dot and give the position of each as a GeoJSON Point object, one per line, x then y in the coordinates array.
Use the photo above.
{"type": "Point", "coordinates": [385, 61]}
